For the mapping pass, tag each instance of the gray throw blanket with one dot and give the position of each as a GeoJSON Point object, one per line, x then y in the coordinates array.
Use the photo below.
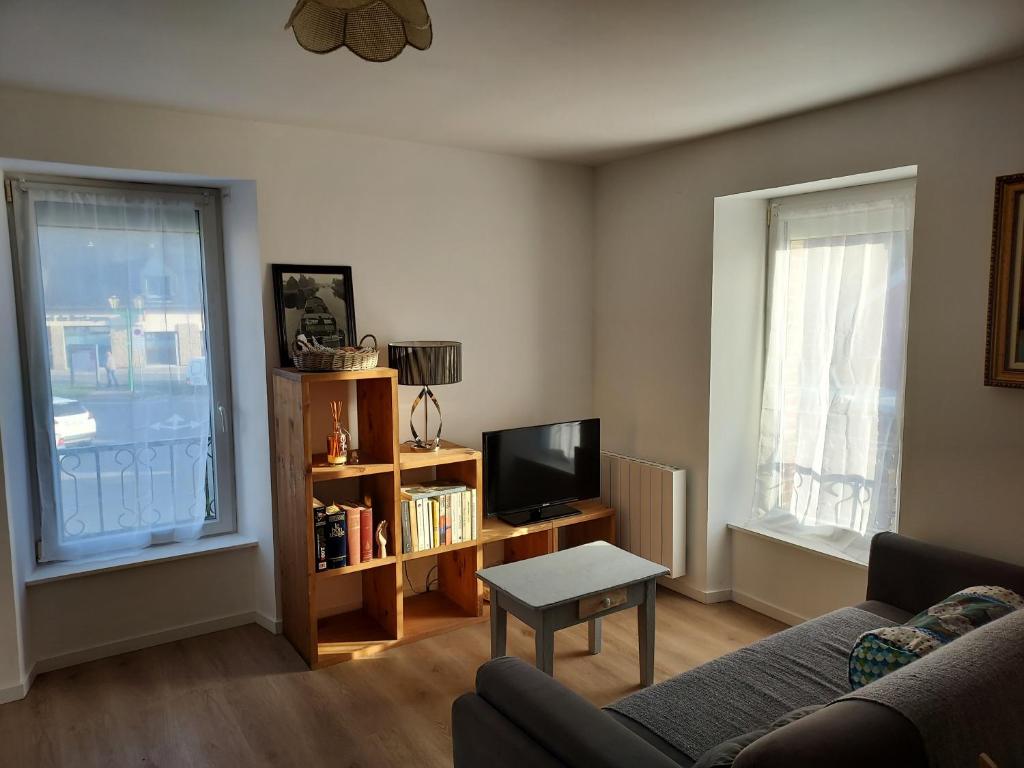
{"type": "Point", "coordinates": [964, 698]}
{"type": "Point", "coordinates": [749, 688]}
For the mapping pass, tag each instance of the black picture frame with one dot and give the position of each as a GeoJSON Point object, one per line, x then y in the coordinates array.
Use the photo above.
{"type": "Point", "coordinates": [285, 301]}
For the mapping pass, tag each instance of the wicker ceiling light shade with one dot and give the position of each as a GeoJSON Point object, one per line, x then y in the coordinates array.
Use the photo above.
{"type": "Point", "coordinates": [375, 30]}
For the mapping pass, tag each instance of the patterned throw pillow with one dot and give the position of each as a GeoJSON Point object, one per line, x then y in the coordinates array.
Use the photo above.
{"type": "Point", "coordinates": [880, 651]}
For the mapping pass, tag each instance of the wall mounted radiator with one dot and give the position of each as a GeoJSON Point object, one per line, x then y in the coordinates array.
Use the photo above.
{"type": "Point", "coordinates": [650, 504]}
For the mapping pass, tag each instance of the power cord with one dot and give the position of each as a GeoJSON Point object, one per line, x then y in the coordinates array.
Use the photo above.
{"type": "Point", "coordinates": [428, 581]}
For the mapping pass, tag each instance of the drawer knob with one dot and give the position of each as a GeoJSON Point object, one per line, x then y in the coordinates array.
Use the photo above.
{"type": "Point", "coordinates": [606, 602]}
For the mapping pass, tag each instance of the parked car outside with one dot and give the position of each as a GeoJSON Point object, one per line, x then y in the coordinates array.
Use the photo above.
{"type": "Point", "coordinates": [72, 423]}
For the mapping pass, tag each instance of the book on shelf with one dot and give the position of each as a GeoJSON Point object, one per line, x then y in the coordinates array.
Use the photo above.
{"type": "Point", "coordinates": [437, 513]}
{"type": "Point", "coordinates": [406, 527]}
{"type": "Point", "coordinates": [335, 535]}
{"type": "Point", "coordinates": [319, 535]}
{"type": "Point", "coordinates": [353, 519]}
{"type": "Point", "coordinates": [366, 533]}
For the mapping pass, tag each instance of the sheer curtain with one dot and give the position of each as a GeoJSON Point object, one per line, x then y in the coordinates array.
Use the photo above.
{"type": "Point", "coordinates": [832, 404]}
{"type": "Point", "coordinates": [114, 329]}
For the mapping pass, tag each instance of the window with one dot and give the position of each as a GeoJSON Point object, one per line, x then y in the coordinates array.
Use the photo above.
{"type": "Point", "coordinates": [129, 448]}
{"type": "Point", "coordinates": [161, 348]}
{"type": "Point", "coordinates": [832, 402]}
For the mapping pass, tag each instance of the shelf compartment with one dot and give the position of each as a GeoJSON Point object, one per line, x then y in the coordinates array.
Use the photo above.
{"type": "Point", "coordinates": [322, 471]}
{"type": "Point", "coordinates": [439, 550]}
{"type": "Point", "coordinates": [351, 635]}
{"type": "Point", "coordinates": [377, 562]}
{"type": "Point", "coordinates": [448, 453]}
{"type": "Point", "coordinates": [433, 613]}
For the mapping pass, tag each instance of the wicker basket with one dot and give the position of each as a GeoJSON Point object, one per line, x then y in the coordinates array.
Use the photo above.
{"type": "Point", "coordinates": [361, 359]}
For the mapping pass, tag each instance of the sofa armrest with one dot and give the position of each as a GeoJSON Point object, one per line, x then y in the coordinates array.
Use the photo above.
{"type": "Point", "coordinates": [484, 738]}
{"type": "Point", "coordinates": [561, 722]}
{"type": "Point", "coordinates": [845, 734]}
{"type": "Point", "coordinates": [913, 575]}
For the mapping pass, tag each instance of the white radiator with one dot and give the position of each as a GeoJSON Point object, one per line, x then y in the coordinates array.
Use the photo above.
{"type": "Point", "coordinates": [650, 504]}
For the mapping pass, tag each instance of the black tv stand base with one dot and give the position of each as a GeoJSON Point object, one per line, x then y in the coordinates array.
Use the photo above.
{"type": "Point", "coordinates": [538, 515]}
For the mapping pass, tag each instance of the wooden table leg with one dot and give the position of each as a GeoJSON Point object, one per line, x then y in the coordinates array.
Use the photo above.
{"type": "Point", "coordinates": [594, 635]}
{"type": "Point", "coordinates": [645, 631]}
{"type": "Point", "coordinates": [545, 640]}
{"type": "Point", "coordinates": [499, 625]}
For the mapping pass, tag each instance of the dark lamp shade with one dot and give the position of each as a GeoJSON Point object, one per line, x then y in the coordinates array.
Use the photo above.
{"type": "Point", "coordinates": [426, 363]}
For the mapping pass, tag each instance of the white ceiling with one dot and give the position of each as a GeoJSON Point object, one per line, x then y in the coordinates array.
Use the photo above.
{"type": "Point", "coordinates": [582, 80]}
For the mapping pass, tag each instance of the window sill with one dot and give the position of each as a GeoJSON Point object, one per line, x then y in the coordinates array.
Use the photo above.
{"type": "Point", "coordinates": [797, 544]}
{"type": "Point", "coordinates": [47, 572]}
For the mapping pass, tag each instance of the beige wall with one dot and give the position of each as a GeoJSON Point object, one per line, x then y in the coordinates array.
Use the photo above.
{"type": "Point", "coordinates": [444, 243]}
{"type": "Point", "coordinates": [963, 443]}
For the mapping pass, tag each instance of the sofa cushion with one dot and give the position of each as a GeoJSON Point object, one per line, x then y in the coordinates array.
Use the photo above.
{"type": "Point", "coordinates": [879, 652]}
{"type": "Point", "coordinates": [741, 691]}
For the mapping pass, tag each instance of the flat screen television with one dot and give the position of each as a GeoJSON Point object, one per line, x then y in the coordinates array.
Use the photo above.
{"type": "Point", "coordinates": [531, 473]}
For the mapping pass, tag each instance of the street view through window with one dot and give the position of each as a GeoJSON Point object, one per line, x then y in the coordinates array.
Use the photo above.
{"type": "Point", "coordinates": [121, 280]}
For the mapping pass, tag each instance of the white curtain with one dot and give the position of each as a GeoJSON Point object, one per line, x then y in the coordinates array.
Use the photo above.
{"type": "Point", "coordinates": [112, 306]}
{"type": "Point", "coordinates": [832, 405]}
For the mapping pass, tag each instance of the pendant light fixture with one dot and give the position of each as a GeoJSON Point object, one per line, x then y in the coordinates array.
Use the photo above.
{"type": "Point", "coordinates": [375, 30]}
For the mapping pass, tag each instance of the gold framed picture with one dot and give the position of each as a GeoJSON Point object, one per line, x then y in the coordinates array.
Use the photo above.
{"type": "Point", "coordinates": [1004, 359]}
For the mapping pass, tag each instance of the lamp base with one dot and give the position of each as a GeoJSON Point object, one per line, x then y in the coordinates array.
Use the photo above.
{"type": "Point", "coordinates": [422, 443]}
{"type": "Point", "coordinates": [425, 446]}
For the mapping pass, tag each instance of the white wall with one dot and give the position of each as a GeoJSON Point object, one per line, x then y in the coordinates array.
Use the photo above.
{"type": "Point", "coordinates": [961, 483]}
{"type": "Point", "coordinates": [444, 243]}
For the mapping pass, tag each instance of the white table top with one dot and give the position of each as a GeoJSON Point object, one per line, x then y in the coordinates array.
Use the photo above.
{"type": "Point", "coordinates": [540, 582]}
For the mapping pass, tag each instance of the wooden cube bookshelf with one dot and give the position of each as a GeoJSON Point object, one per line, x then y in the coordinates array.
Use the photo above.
{"type": "Point", "coordinates": [385, 616]}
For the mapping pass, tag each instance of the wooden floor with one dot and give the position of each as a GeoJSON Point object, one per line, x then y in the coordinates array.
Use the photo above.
{"type": "Point", "coordinates": [243, 697]}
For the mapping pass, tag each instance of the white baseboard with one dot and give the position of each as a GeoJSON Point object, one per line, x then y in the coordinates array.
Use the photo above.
{"type": "Point", "coordinates": [155, 638]}
{"type": "Point", "coordinates": [700, 595]}
{"type": "Point", "coordinates": [273, 626]}
{"type": "Point", "coordinates": [768, 609]}
{"type": "Point", "coordinates": [20, 690]}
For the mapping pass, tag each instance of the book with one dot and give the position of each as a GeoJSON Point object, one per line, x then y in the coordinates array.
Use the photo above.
{"type": "Point", "coordinates": [320, 545]}
{"type": "Point", "coordinates": [449, 501]}
{"type": "Point", "coordinates": [408, 532]}
{"type": "Point", "coordinates": [336, 536]}
{"type": "Point", "coordinates": [366, 533]}
{"type": "Point", "coordinates": [319, 535]}
{"type": "Point", "coordinates": [354, 536]}
{"type": "Point", "coordinates": [435, 512]}
{"type": "Point", "coordinates": [457, 517]}
{"type": "Point", "coordinates": [472, 513]}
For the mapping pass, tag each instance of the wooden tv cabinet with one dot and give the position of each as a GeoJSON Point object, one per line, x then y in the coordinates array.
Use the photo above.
{"type": "Point", "coordinates": [385, 616]}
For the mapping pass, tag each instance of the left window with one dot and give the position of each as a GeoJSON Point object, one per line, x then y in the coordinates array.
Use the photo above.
{"type": "Point", "coordinates": [123, 330]}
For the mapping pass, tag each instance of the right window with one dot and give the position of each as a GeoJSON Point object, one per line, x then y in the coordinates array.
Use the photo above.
{"type": "Point", "coordinates": [832, 403]}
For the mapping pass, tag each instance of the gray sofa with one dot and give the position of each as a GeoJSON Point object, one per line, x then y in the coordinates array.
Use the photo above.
{"type": "Point", "coordinates": [519, 716]}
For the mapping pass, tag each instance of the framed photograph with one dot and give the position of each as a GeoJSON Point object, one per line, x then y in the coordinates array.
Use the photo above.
{"type": "Point", "coordinates": [316, 301]}
{"type": "Point", "coordinates": [1004, 363]}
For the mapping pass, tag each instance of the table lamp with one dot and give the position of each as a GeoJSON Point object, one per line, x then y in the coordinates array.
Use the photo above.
{"type": "Point", "coordinates": [425, 364]}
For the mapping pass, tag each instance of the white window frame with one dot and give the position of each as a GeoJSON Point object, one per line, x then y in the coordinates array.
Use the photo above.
{"type": "Point", "coordinates": [36, 375]}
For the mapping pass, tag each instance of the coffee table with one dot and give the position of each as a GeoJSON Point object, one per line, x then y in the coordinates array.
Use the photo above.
{"type": "Point", "coordinates": [585, 583]}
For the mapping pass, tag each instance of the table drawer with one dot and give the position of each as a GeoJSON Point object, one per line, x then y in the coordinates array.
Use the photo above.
{"type": "Point", "coordinates": [602, 602]}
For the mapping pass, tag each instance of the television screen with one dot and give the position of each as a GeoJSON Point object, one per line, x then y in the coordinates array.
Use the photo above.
{"type": "Point", "coordinates": [534, 467]}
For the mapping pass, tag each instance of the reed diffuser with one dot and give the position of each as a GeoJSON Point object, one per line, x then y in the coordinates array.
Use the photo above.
{"type": "Point", "coordinates": [338, 439]}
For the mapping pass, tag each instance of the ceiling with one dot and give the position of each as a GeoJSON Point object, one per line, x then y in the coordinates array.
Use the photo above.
{"type": "Point", "coordinates": [578, 80]}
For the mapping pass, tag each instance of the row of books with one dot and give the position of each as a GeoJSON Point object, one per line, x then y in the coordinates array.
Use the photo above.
{"type": "Point", "coordinates": [437, 513]}
{"type": "Point", "coordinates": [343, 534]}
